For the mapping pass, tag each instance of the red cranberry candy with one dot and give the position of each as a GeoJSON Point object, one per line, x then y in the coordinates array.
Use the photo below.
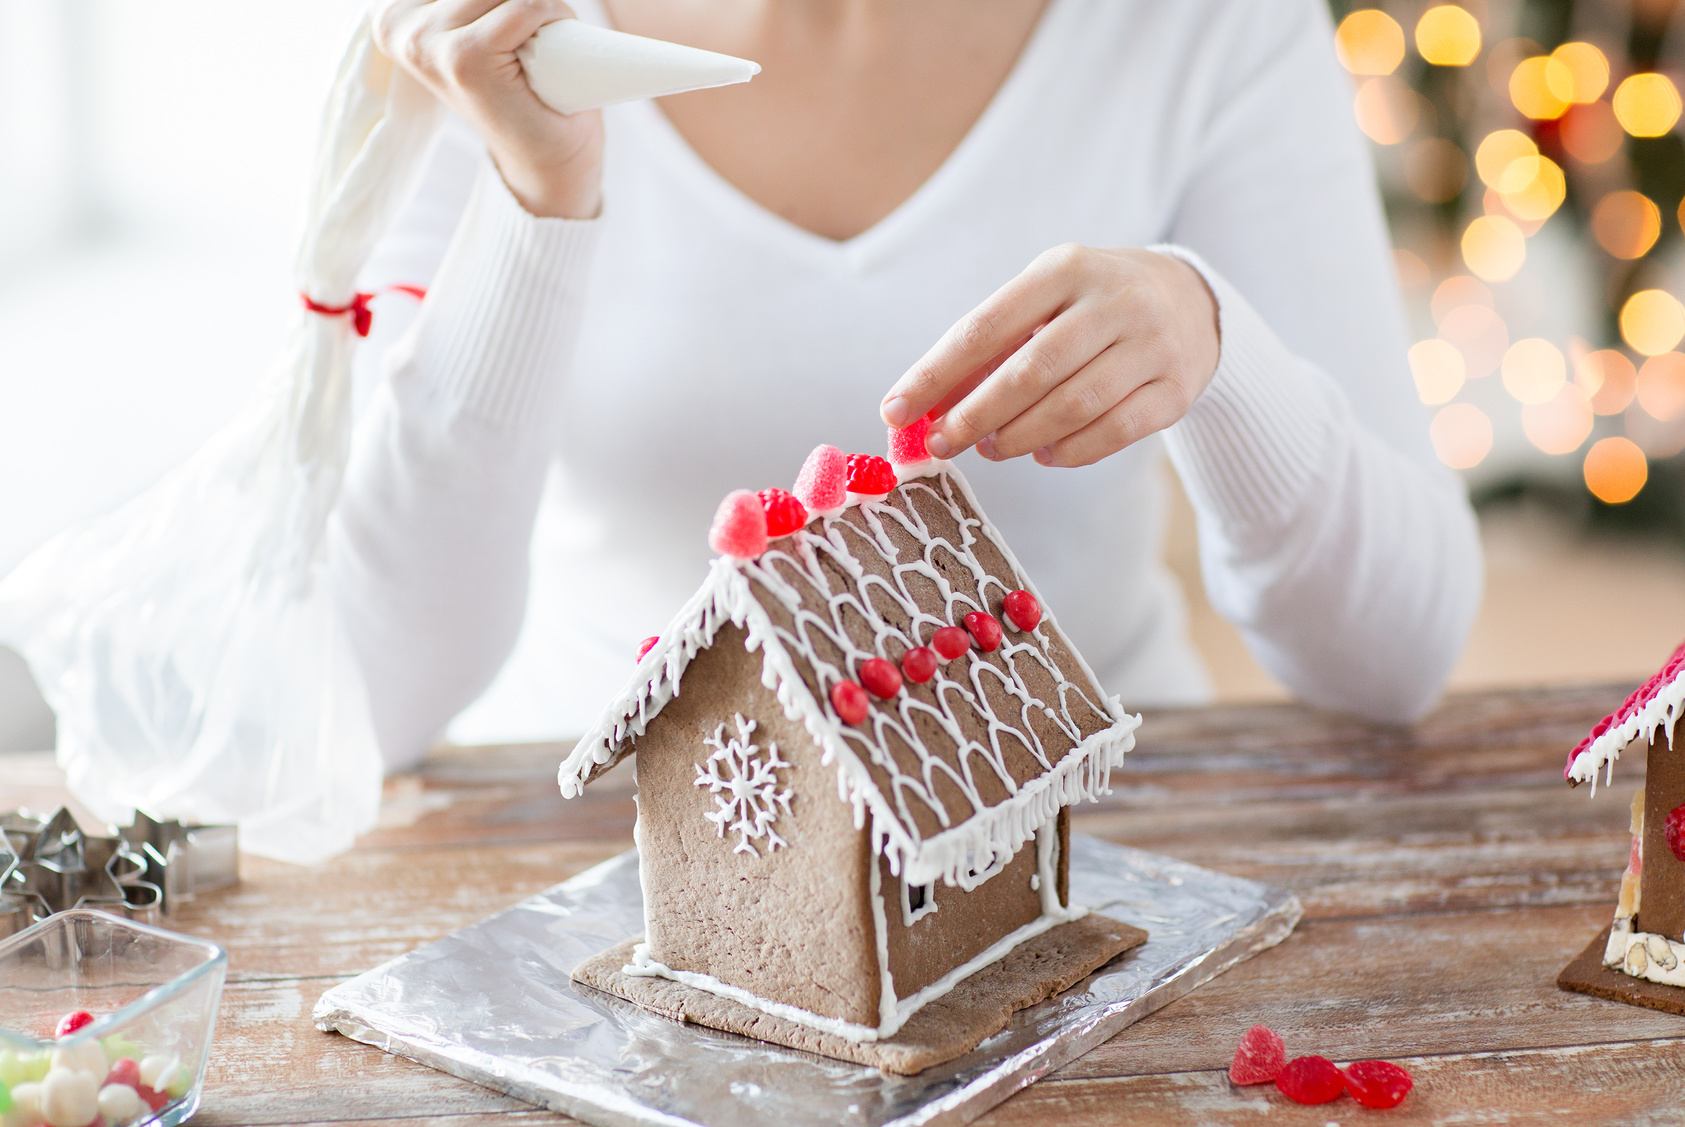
{"type": "Point", "coordinates": [949, 642]}
{"type": "Point", "coordinates": [850, 701]}
{"type": "Point", "coordinates": [71, 1022]}
{"type": "Point", "coordinates": [646, 645]}
{"type": "Point", "coordinates": [784, 514]}
{"type": "Point", "coordinates": [919, 664]}
{"type": "Point", "coordinates": [870, 474]}
{"type": "Point", "coordinates": [985, 629]}
{"type": "Point", "coordinates": [1311, 1080]}
{"type": "Point", "coordinates": [1024, 610]}
{"type": "Point", "coordinates": [880, 677]}
{"type": "Point", "coordinates": [1377, 1083]}
{"type": "Point", "coordinates": [124, 1071]}
{"type": "Point", "coordinates": [1260, 1057]}
{"type": "Point", "coordinates": [1673, 832]}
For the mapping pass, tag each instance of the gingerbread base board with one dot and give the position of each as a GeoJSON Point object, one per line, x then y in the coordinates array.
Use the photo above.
{"type": "Point", "coordinates": [1587, 975]}
{"type": "Point", "coordinates": [953, 1024]}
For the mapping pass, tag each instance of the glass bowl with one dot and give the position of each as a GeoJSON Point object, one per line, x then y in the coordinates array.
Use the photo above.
{"type": "Point", "coordinates": [153, 998]}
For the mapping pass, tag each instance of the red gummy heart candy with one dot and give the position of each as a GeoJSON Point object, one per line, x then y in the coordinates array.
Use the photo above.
{"type": "Point", "coordinates": [1024, 610]}
{"type": "Point", "coordinates": [1311, 1080]}
{"type": "Point", "coordinates": [1260, 1057]}
{"type": "Point", "coordinates": [950, 642]}
{"type": "Point", "coordinates": [822, 484]}
{"type": "Point", "coordinates": [850, 701]}
{"type": "Point", "coordinates": [1377, 1083]}
{"type": "Point", "coordinates": [985, 628]}
{"type": "Point", "coordinates": [880, 677]}
{"type": "Point", "coordinates": [154, 1099]}
{"type": "Point", "coordinates": [124, 1071]}
{"type": "Point", "coordinates": [870, 474]}
{"type": "Point", "coordinates": [1673, 831]}
{"type": "Point", "coordinates": [784, 514]}
{"type": "Point", "coordinates": [71, 1022]}
{"type": "Point", "coordinates": [739, 526]}
{"type": "Point", "coordinates": [906, 445]}
{"type": "Point", "coordinates": [919, 664]}
{"type": "Point", "coordinates": [646, 645]}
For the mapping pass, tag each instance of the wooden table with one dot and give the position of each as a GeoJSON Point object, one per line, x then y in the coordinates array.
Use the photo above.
{"type": "Point", "coordinates": [1447, 874]}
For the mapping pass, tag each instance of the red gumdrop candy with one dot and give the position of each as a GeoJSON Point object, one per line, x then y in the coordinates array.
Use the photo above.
{"type": "Point", "coordinates": [870, 474]}
{"type": "Point", "coordinates": [919, 664]}
{"type": "Point", "coordinates": [1311, 1080]}
{"type": "Point", "coordinates": [739, 528]}
{"type": "Point", "coordinates": [71, 1022]}
{"type": "Point", "coordinates": [822, 484]}
{"type": "Point", "coordinates": [124, 1071]}
{"type": "Point", "coordinates": [950, 642]}
{"type": "Point", "coordinates": [906, 445]}
{"type": "Point", "coordinates": [784, 514]}
{"type": "Point", "coordinates": [850, 701]}
{"type": "Point", "coordinates": [154, 1099]}
{"type": "Point", "coordinates": [1024, 609]}
{"type": "Point", "coordinates": [1260, 1057]}
{"type": "Point", "coordinates": [985, 628]}
{"type": "Point", "coordinates": [1377, 1083]}
{"type": "Point", "coordinates": [880, 677]}
{"type": "Point", "coordinates": [646, 645]}
{"type": "Point", "coordinates": [1673, 831]}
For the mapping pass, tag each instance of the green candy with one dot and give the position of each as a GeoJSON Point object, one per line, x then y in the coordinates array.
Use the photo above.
{"type": "Point", "coordinates": [117, 1046]}
{"type": "Point", "coordinates": [5, 1098]}
{"type": "Point", "coordinates": [11, 1070]}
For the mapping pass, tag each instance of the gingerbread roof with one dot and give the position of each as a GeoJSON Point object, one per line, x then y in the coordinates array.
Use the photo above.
{"type": "Point", "coordinates": [958, 772]}
{"type": "Point", "coordinates": [1655, 704]}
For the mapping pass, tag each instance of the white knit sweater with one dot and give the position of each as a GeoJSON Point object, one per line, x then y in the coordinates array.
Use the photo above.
{"type": "Point", "coordinates": [607, 382]}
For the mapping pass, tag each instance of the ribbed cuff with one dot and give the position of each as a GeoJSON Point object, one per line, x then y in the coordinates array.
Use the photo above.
{"type": "Point", "coordinates": [1257, 440]}
{"type": "Point", "coordinates": [498, 328]}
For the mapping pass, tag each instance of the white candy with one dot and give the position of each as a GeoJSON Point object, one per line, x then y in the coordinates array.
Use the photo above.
{"type": "Point", "coordinates": [87, 1057]}
{"type": "Point", "coordinates": [120, 1103]}
{"type": "Point", "coordinates": [69, 1098]}
{"type": "Point", "coordinates": [159, 1072]}
{"type": "Point", "coordinates": [26, 1106]}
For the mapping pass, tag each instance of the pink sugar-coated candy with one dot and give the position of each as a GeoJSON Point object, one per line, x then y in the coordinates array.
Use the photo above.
{"type": "Point", "coordinates": [949, 642]}
{"type": "Point", "coordinates": [124, 1071]}
{"type": "Point", "coordinates": [1259, 1058]}
{"type": "Point", "coordinates": [919, 664]}
{"type": "Point", "coordinates": [72, 1021]}
{"type": "Point", "coordinates": [880, 677]}
{"type": "Point", "coordinates": [739, 528]}
{"type": "Point", "coordinates": [646, 645]}
{"type": "Point", "coordinates": [850, 701]}
{"type": "Point", "coordinates": [906, 445]}
{"type": "Point", "coordinates": [822, 484]}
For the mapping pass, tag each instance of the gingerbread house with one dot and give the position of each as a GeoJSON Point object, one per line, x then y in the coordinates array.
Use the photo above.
{"type": "Point", "coordinates": [1641, 958]}
{"type": "Point", "coordinates": [857, 746]}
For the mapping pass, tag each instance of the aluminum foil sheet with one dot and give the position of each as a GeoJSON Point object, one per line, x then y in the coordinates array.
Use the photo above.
{"type": "Point", "coordinates": [493, 1004]}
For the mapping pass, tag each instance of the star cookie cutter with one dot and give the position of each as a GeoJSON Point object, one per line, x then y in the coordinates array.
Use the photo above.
{"type": "Point", "coordinates": [140, 871]}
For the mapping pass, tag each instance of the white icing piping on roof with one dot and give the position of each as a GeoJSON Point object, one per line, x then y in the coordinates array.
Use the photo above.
{"type": "Point", "coordinates": [1662, 711]}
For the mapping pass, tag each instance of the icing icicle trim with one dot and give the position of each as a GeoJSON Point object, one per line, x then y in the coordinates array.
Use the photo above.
{"type": "Point", "coordinates": [1657, 705]}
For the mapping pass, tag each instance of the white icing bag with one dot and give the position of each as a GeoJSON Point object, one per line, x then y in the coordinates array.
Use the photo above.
{"type": "Point", "coordinates": [575, 66]}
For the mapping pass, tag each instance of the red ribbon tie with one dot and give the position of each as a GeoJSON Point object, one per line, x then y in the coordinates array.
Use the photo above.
{"type": "Point", "coordinates": [361, 316]}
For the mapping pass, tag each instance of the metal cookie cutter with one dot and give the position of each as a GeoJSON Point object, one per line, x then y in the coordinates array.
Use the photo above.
{"type": "Point", "coordinates": [51, 864]}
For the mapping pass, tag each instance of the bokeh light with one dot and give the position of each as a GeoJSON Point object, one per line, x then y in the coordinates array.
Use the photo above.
{"type": "Point", "coordinates": [1498, 150]}
{"type": "Point", "coordinates": [1532, 188]}
{"type": "Point", "coordinates": [1534, 370]}
{"type": "Point", "coordinates": [1448, 36]}
{"type": "Point", "coordinates": [1480, 335]}
{"type": "Point", "coordinates": [1652, 322]}
{"type": "Point", "coordinates": [1626, 224]}
{"type": "Point", "coordinates": [1502, 60]}
{"type": "Point", "coordinates": [1438, 370]}
{"type": "Point", "coordinates": [1608, 379]}
{"type": "Point", "coordinates": [1647, 105]}
{"type": "Point", "coordinates": [1369, 41]}
{"type": "Point", "coordinates": [1591, 134]}
{"type": "Point", "coordinates": [1455, 292]}
{"type": "Point", "coordinates": [1529, 90]}
{"type": "Point", "coordinates": [1577, 72]}
{"type": "Point", "coordinates": [1462, 435]}
{"type": "Point", "coordinates": [1661, 386]}
{"type": "Point", "coordinates": [1387, 109]}
{"type": "Point", "coordinates": [1436, 169]}
{"type": "Point", "coordinates": [1494, 248]}
{"type": "Point", "coordinates": [1560, 424]}
{"type": "Point", "coordinates": [1615, 470]}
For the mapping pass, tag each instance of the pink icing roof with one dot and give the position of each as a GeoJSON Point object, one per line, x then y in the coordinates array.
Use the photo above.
{"type": "Point", "coordinates": [1638, 713]}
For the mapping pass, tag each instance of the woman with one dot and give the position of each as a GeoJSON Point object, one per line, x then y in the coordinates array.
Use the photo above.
{"type": "Point", "coordinates": [643, 309]}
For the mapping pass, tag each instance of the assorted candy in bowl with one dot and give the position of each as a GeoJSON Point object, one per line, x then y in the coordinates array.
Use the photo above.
{"type": "Point", "coordinates": [104, 1022]}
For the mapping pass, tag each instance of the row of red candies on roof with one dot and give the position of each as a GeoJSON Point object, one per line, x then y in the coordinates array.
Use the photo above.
{"type": "Point", "coordinates": [1634, 703]}
{"type": "Point", "coordinates": [883, 680]}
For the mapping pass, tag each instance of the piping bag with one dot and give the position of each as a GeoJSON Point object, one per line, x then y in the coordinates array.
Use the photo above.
{"type": "Point", "coordinates": [189, 641]}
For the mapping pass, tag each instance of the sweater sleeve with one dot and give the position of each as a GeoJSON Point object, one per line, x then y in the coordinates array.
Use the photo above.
{"type": "Point", "coordinates": [1329, 534]}
{"type": "Point", "coordinates": [429, 556]}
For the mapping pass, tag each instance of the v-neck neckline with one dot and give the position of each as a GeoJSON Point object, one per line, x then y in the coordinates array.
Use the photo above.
{"type": "Point", "coordinates": [1011, 97]}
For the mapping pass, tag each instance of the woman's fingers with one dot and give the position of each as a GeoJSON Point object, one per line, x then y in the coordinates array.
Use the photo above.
{"type": "Point", "coordinates": [1010, 314]}
{"type": "Point", "coordinates": [507, 25]}
{"type": "Point", "coordinates": [1096, 388]}
{"type": "Point", "coordinates": [1146, 410]}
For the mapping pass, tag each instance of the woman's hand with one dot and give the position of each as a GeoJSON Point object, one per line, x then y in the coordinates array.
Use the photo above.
{"type": "Point", "coordinates": [1082, 354]}
{"type": "Point", "coordinates": [464, 51]}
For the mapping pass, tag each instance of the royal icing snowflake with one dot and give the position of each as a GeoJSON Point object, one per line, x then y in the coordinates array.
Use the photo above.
{"type": "Point", "coordinates": [744, 784]}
